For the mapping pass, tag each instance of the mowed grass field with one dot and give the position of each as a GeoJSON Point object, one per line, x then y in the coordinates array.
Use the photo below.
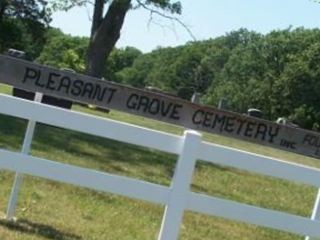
{"type": "Point", "coordinates": [53, 210]}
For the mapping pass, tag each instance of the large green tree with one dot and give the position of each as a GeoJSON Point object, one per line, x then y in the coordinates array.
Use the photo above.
{"type": "Point", "coordinates": [35, 10]}
{"type": "Point", "coordinates": [64, 51]}
{"type": "Point", "coordinates": [23, 24]}
{"type": "Point", "coordinates": [107, 20]}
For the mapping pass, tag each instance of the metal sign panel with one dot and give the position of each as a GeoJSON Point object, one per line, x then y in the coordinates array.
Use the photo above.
{"type": "Point", "coordinates": [80, 88]}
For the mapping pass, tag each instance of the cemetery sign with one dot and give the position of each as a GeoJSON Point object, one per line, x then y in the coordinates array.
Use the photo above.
{"type": "Point", "coordinates": [80, 88]}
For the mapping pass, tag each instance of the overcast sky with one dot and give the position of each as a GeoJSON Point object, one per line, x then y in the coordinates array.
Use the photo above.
{"type": "Point", "coordinates": [205, 18]}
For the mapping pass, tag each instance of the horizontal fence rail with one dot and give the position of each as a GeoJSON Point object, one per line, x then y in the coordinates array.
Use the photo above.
{"type": "Point", "coordinates": [253, 215]}
{"type": "Point", "coordinates": [83, 177]}
{"type": "Point", "coordinates": [141, 190]}
{"type": "Point", "coordinates": [176, 197]}
{"type": "Point", "coordinates": [259, 164]}
{"type": "Point", "coordinates": [86, 123]}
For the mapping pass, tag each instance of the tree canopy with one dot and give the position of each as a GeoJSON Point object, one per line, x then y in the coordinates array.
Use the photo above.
{"type": "Point", "coordinates": [107, 20]}
{"type": "Point", "coordinates": [34, 10]}
{"type": "Point", "coordinates": [277, 73]}
{"type": "Point", "coordinates": [23, 24]}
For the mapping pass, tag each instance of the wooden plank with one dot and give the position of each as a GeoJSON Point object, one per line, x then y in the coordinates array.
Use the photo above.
{"type": "Point", "coordinates": [85, 89]}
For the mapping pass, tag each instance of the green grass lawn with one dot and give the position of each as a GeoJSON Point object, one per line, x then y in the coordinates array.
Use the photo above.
{"type": "Point", "coordinates": [52, 210]}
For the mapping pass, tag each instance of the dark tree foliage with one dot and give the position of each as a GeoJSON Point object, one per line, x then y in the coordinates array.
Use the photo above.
{"type": "Point", "coordinates": [34, 10]}
{"type": "Point", "coordinates": [105, 30]}
{"type": "Point", "coordinates": [107, 20]}
{"type": "Point", "coordinates": [23, 24]}
{"type": "Point", "coordinates": [120, 59]}
{"type": "Point", "coordinates": [278, 73]}
{"type": "Point", "coordinates": [64, 51]}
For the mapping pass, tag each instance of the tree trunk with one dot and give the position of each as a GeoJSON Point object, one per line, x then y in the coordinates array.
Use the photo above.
{"type": "Point", "coordinates": [97, 16]}
{"type": "Point", "coordinates": [104, 38]}
{"type": "Point", "coordinates": [3, 5]}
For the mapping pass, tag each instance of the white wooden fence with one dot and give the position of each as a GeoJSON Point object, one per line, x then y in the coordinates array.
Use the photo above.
{"type": "Point", "coordinates": [177, 198]}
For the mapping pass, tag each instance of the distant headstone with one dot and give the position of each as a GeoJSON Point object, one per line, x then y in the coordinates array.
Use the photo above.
{"type": "Point", "coordinates": [196, 98]}
{"type": "Point", "coordinates": [253, 112]}
{"type": "Point", "coordinates": [222, 103]}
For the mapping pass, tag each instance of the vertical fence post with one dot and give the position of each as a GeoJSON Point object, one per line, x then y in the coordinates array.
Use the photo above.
{"type": "Point", "coordinates": [180, 186]}
{"type": "Point", "coordinates": [19, 177]}
{"type": "Point", "coordinates": [315, 213]}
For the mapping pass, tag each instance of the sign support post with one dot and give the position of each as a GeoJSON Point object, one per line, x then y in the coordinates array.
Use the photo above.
{"type": "Point", "coordinates": [19, 177]}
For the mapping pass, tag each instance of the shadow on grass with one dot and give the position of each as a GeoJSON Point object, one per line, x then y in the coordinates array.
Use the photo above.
{"type": "Point", "coordinates": [25, 226]}
{"type": "Point", "coordinates": [11, 132]}
{"type": "Point", "coordinates": [59, 138]}
{"type": "Point", "coordinates": [106, 152]}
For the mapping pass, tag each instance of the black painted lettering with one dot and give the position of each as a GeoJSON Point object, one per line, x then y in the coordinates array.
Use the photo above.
{"type": "Point", "coordinates": [197, 117]}
{"type": "Point", "coordinates": [76, 87]}
{"type": "Point", "coordinates": [219, 120]}
{"type": "Point", "coordinates": [261, 131]}
{"type": "Point", "coordinates": [292, 145]}
{"type": "Point", "coordinates": [207, 120]}
{"type": "Point", "coordinates": [312, 140]}
{"type": "Point", "coordinates": [273, 132]}
{"type": "Point", "coordinates": [165, 109]}
{"type": "Point", "coordinates": [229, 124]}
{"type": "Point", "coordinates": [87, 90]}
{"type": "Point", "coordinates": [38, 81]}
{"type": "Point", "coordinates": [65, 82]}
{"type": "Point", "coordinates": [31, 74]}
{"type": "Point", "coordinates": [154, 106]}
{"type": "Point", "coordinates": [241, 124]}
{"type": "Point", "coordinates": [317, 142]}
{"type": "Point", "coordinates": [98, 92]}
{"type": "Point", "coordinates": [143, 103]}
{"type": "Point", "coordinates": [249, 129]}
{"type": "Point", "coordinates": [132, 101]}
{"type": "Point", "coordinates": [51, 82]}
{"type": "Point", "coordinates": [307, 139]}
{"type": "Point", "coordinates": [175, 112]}
{"type": "Point", "coordinates": [112, 92]}
{"type": "Point", "coordinates": [287, 144]}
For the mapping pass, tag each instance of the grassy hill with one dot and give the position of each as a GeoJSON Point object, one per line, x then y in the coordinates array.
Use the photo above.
{"type": "Point", "coordinates": [52, 210]}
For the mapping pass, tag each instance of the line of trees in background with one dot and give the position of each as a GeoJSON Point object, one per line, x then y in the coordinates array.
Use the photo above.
{"type": "Point", "coordinates": [23, 25]}
{"type": "Point", "coordinates": [278, 73]}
